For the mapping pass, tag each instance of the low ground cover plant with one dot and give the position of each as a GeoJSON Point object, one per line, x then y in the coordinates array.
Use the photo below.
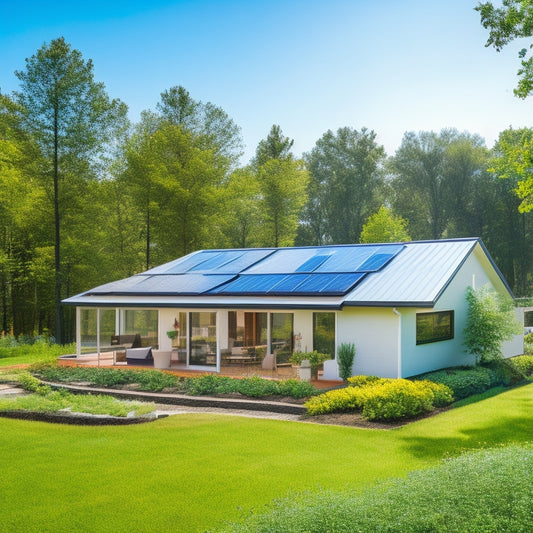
{"type": "Point", "coordinates": [382, 398]}
{"type": "Point", "coordinates": [46, 400]}
{"type": "Point", "coordinates": [155, 381]}
{"type": "Point", "coordinates": [487, 491]}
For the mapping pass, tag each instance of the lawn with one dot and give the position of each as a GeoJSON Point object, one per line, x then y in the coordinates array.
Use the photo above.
{"type": "Point", "coordinates": [191, 472]}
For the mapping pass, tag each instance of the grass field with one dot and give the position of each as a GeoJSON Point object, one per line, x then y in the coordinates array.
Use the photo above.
{"type": "Point", "coordinates": [190, 473]}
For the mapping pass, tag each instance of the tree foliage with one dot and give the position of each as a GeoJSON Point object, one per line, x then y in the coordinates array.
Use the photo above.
{"type": "Point", "coordinates": [513, 20]}
{"type": "Point", "coordinates": [514, 160]}
{"type": "Point", "coordinates": [275, 146]}
{"type": "Point", "coordinates": [490, 322]}
{"type": "Point", "coordinates": [346, 184]}
{"type": "Point", "coordinates": [384, 226]}
{"type": "Point", "coordinates": [71, 119]}
{"type": "Point", "coordinates": [125, 199]}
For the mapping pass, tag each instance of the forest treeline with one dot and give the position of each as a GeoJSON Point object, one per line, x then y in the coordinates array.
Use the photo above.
{"type": "Point", "coordinates": [87, 197]}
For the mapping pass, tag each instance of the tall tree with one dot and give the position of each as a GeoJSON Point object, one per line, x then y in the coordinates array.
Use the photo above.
{"type": "Point", "coordinates": [514, 160]}
{"type": "Point", "coordinates": [419, 188]}
{"type": "Point", "coordinates": [346, 184]}
{"type": "Point", "coordinates": [512, 231]}
{"type": "Point", "coordinates": [240, 216]}
{"type": "Point", "coordinates": [210, 124]}
{"type": "Point", "coordinates": [275, 146]}
{"type": "Point", "coordinates": [72, 119]}
{"type": "Point", "coordinates": [282, 192]}
{"type": "Point", "coordinates": [513, 20]}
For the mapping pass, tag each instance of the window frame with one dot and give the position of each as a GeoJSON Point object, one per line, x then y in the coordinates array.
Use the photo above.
{"type": "Point", "coordinates": [435, 337]}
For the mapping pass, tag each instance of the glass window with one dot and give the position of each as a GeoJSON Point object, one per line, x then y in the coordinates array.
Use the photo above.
{"type": "Point", "coordinates": [88, 330]}
{"type": "Point", "coordinates": [247, 332]}
{"type": "Point", "coordinates": [433, 327]}
{"type": "Point", "coordinates": [143, 324]}
{"type": "Point", "coordinates": [324, 333]}
{"type": "Point", "coordinates": [203, 335]}
{"type": "Point", "coordinates": [281, 325]}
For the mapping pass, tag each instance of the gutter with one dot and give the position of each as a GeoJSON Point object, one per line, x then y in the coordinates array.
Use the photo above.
{"type": "Point", "coordinates": [399, 357]}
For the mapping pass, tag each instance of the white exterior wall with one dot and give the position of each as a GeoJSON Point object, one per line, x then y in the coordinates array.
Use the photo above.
{"type": "Point", "coordinates": [374, 331]}
{"type": "Point", "coordinates": [442, 354]}
{"type": "Point", "coordinates": [166, 323]}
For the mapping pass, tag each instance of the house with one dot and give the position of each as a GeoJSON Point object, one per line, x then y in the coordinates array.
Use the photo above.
{"type": "Point", "coordinates": [403, 306]}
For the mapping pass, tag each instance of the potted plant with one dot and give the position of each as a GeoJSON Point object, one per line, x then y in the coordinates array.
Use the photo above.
{"type": "Point", "coordinates": [316, 360]}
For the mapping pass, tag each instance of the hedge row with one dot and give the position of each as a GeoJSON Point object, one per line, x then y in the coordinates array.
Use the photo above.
{"type": "Point", "coordinates": [155, 381]}
{"type": "Point", "coordinates": [467, 381]}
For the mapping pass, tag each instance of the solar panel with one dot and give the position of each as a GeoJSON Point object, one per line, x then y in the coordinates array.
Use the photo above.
{"type": "Point", "coordinates": [288, 283]}
{"type": "Point", "coordinates": [342, 283]}
{"type": "Point", "coordinates": [313, 283]}
{"type": "Point", "coordinates": [251, 284]}
{"type": "Point", "coordinates": [312, 263]}
{"type": "Point", "coordinates": [170, 284]}
{"type": "Point", "coordinates": [216, 261]}
{"type": "Point", "coordinates": [380, 258]}
{"type": "Point", "coordinates": [346, 259]}
{"type": "Point", "coordinates": [187, 263]}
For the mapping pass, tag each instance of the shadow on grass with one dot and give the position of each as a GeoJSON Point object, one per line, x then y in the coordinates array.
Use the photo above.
{"type": "Point", "coordinates": [505, 418]}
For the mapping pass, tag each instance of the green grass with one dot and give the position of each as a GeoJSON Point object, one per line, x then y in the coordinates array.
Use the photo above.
{"type": "Point", "coordinates": [482, 491]}
{"type": "Point", "coordinates": [95, 404]}
{"type": "Point", "coordinates": [190, 473]}
{"type": "Point", "coordinates": [19, 354]}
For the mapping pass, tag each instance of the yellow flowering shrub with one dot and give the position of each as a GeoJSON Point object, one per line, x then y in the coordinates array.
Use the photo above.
{"type": "Point", "coordinates": [334, 401]}
{"type": "Point", "coordinates": [382, 399]}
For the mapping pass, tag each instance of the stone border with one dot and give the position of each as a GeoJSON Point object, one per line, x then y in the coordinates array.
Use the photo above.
{"type": "Point", "coordinates": [189, 401]}
{"type": "Point", "coordinates": [79, 419]}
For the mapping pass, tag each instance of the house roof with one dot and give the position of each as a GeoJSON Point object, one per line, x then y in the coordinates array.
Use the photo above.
{"type": "Point", "coordinates": [397, 274]}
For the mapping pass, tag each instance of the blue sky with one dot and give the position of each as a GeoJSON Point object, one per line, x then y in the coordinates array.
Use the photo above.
{"type": "Point", "coordinates": [309, 66]}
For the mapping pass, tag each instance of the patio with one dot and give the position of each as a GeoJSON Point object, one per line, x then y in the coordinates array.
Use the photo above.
{"type": "Point", "coordinates": [244, 367]}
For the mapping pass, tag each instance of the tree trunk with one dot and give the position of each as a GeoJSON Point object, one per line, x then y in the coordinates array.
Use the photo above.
{"type": "Point", "coordinates": [57, 245]}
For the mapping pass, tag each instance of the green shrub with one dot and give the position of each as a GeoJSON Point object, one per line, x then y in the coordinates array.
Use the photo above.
{"type": "Point", "coordinates": [463, 382]}
{"type": "Point", "coordinates": [442, 394]}
{"type": "Point", "coordinates": [345, 359]}
{"type": "Point", "coordinates": [32, 384]}
{"type": "Point", "coordinates": [523, 364]}
{"type": "Point", "coordinates": [487, 491]}
{"type": "Point", "coordinates": [528, 344]}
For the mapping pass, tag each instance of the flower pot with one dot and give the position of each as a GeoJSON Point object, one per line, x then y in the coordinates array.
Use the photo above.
{"type": "Point", "coordinates": [161, 358]}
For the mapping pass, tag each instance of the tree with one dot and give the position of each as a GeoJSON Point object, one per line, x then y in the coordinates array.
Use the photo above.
{"type": "Point", "coordinates": [514, 20]}
{"type": "Point", "coordinates": [210, 124]}
{"type": "Point", "coordinates": [384, 226]}
{"type": "Point", "coordinates": [282, 193]}
{"type": "Point", "coordinates": [72, 119]}
{"type": "Point", "coordinates": [241, 222]}
{"type": "Point", "coordinates": [514, 160]}
{"type": "Point", "coordinates": [490, 322]}
{"type": "Point", "coordinates": [187, 189]}
{"type": "Point", "coordinates": [275, 146]}
{"type": "Point", "coordinates": [346, 184]}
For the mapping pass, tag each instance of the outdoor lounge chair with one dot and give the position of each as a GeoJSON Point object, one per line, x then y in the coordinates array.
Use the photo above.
{"type": "Point", "coordinates": [140, 356]}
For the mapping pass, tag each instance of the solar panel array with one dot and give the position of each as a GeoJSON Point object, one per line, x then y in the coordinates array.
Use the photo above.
{"type": "Point", "coordinates": [320, 271]}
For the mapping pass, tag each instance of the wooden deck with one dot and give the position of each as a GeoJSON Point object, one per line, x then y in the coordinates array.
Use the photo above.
{"type": "Point", "coordinates": [245, 369]}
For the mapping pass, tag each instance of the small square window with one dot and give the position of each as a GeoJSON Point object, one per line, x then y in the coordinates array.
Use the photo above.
{"type": "Point", "coordinates": [434, 327]}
